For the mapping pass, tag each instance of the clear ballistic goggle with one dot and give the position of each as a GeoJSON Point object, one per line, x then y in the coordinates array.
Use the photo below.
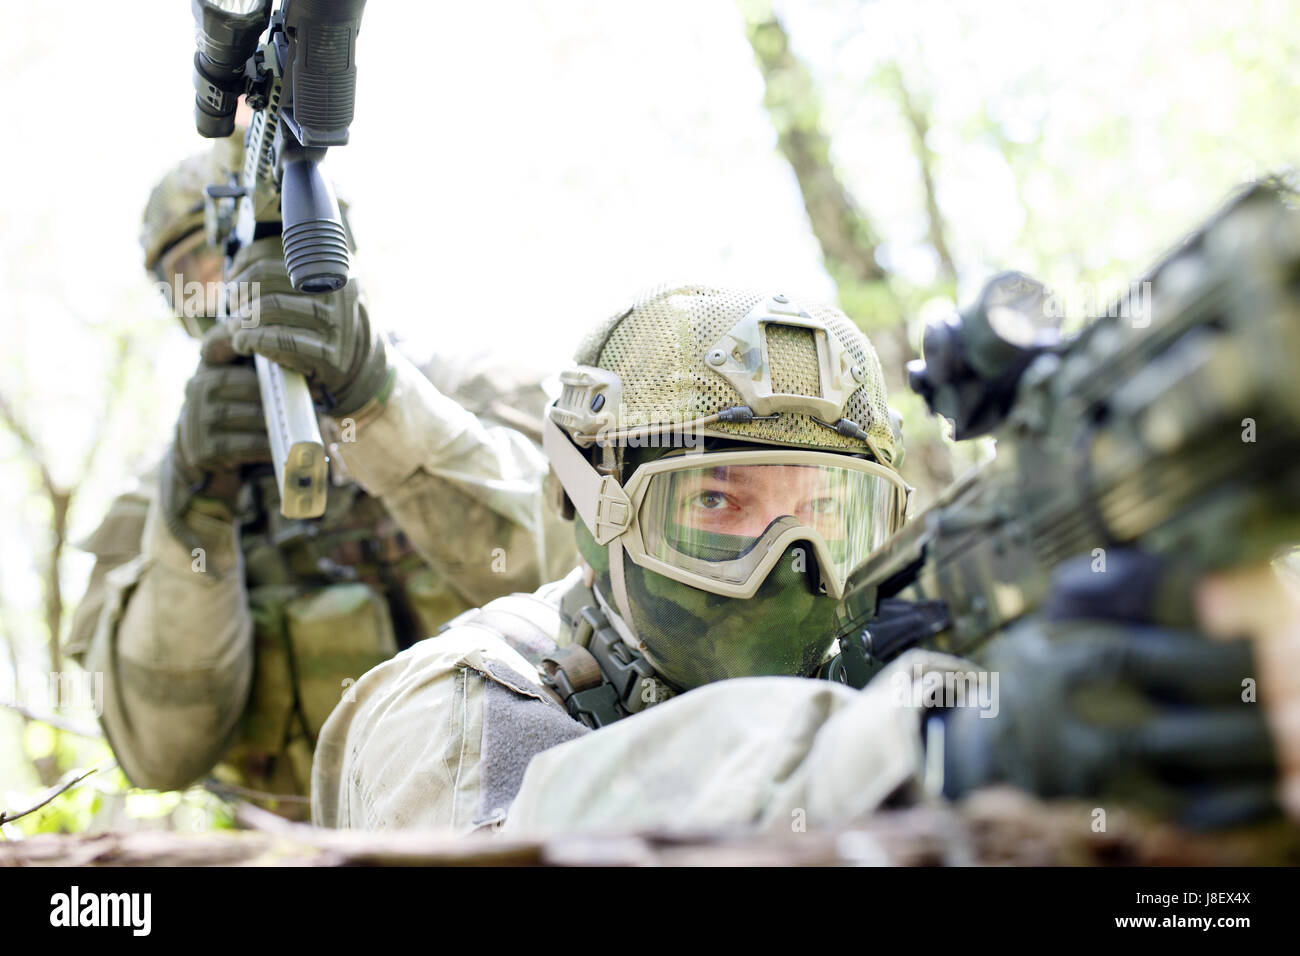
{"type": "Point", "coordinates": [720, 521]}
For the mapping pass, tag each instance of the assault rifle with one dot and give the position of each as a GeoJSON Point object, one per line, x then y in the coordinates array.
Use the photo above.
{"type": "Point", "coordinates": [1170, 423]}
{"type": "Point", "coordinates": [299, 81]}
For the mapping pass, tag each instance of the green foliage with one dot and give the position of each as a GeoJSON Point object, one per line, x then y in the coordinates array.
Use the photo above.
{"type": "Point", "coordinates": [106, 799]}
{"type": "Point", "coordinates": [873, 305]}
{"type": "Point", "coordinates": [1073, 143]}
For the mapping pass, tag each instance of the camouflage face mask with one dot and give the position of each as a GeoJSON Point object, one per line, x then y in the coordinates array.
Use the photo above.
{"type": "Point", "coordinates": [693, 637]}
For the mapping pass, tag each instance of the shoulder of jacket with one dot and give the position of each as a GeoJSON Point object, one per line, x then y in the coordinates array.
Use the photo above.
{"type": "Point", "coordinates": [121, 531]}
{"type": "Point", "coordinates": [530, 623]}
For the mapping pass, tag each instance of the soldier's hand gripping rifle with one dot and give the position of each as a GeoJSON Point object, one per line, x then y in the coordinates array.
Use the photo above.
{"type": "Point", "coordinates": [299, 80]}
{"type": "Point", "coordinates": [1170, 424]}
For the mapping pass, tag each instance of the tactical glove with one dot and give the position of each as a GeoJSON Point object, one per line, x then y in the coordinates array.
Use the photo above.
{"type": "Point", "coordinates": [328, 338]}
{"type": "Point", "coordinates": [221, 428]}
{"type": "Point", "coordinates": [1101, 707]}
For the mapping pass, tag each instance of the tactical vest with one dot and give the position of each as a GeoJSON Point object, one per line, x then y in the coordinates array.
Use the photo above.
{"type": "Point", "coordinates": [333, 596]}
{"type": "Point", "coordinates": [330, 598]}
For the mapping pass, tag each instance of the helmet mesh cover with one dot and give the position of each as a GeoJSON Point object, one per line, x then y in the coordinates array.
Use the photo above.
{"type": "Point", "coordinates": [674, 384]}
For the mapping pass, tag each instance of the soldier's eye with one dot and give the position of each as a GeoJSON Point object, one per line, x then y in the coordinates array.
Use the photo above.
{"type": "Point", "coordinates": [709, 500]}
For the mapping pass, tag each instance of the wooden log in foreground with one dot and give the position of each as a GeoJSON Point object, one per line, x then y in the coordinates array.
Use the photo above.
{"type": "Point", "coordinates": [995, 827]}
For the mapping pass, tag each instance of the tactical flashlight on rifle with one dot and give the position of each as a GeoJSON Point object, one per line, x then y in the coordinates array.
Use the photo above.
{"type": "Point", "coordinates": [299, 80]}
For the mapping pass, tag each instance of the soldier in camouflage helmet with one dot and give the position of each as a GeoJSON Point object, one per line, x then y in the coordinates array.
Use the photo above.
{"type": "Point", "coordinates": [771, 422]}
{"type": "Point", "coordinates": [727, 457]}
{"type": "Point", "coordinates": [227, 632]}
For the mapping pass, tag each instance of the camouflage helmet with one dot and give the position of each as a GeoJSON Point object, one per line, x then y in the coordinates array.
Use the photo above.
{"type": "Point", "coordinates": [689, 352]}
{"type": "Point", "coordinates": [692, 387]}
{"type": "Point", "coordinates": [173, 231]}
{"type": "Point", "coordinates": [175, 207]}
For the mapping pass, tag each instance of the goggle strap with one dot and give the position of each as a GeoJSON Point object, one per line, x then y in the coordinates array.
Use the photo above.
{"type": "Point", "coordinates": [622, 621]}
{"type": "Point", "coordinates": [599, 500]}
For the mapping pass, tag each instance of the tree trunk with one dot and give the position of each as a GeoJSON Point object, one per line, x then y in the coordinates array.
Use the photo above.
{"type": "Point", "coordinates": [847, 238]}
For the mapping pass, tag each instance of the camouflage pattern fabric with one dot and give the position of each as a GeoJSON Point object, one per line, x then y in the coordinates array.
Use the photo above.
{"type": "Point", "coordinates": [657, 347]}
{"type": "Point", "coordinates": [693, 637]}
{"type": "Point", "coordinates": [175, 206]}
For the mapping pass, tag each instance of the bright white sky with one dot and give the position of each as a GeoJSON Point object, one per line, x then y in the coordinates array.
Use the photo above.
{"type": "Point", "coordinates": [516, 169]}
{"type": "Point", "coordinates": [545, 161]}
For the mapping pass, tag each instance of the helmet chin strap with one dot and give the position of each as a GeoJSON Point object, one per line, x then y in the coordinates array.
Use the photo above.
{"type": "Point", "coordinates": [620, 616]}
{"type": "Point", "coordinates": [604, 677]}
{"type": "Point", "coordinates": [594, 497]}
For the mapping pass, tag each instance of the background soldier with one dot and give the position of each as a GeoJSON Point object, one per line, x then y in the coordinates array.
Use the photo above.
{"type": "Point", "coordinates": [227, 632]}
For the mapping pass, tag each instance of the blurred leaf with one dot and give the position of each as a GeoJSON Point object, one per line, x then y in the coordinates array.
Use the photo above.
{"type": "Point", "coordinates": [39, 740]}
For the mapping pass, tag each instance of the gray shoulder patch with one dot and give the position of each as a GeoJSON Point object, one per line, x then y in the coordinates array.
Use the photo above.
{"type": "Point", "coordinates": [515, 728]}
